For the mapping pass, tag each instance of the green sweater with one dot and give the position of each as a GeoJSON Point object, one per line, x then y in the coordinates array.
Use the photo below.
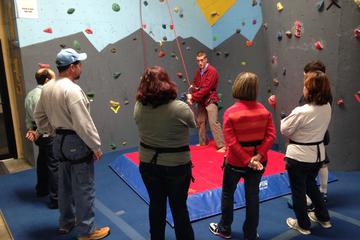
{"type": "Point", "coordinates": [166, 126]}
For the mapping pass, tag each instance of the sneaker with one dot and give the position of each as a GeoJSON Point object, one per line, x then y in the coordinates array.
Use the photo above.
{"type": "Point", "coordinates": [292, 223]}
{"type": "Point", "coordinates": [66, 228]}
{"type": "Point", "coordinates": [313, 218]}
{"type": "Point", "coordinates": [99, 233]}
{"type": "Point", "coordinates": [214, 228]}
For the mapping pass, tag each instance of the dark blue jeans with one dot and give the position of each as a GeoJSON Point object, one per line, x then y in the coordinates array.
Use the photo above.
{"type": "Point", "coordinates": [302, 177]}
{"type": "Point", "coordinates": [168, 182]}
{"type": "Point", "coordinates": [47, 168]}
{"type": "Point", "coordinates": [231, 178]}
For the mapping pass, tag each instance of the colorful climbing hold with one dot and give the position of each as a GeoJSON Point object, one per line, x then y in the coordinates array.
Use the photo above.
{"type": "Point", "coordinates": [164, 26]}
{"type": "Point", "coordinates": [161, 54]}
{"type": "Point", "coordinates": [90, 96]}
{"type": "Point", "coordinates": [274, 59]}
{"type": "Point", "coordinates": [319, 45]}
{"type": "Point", "coordinates": [320, 5]}
{"type": "Point", "coordinates": [164, 38]}
{"type": "Point", "coordinates": [71, 10]}
{"type": "Point", "coordinates": [357, 2]}
{"type": "Point", "coordinates": [116, 75]}
{"type": "Point", "coordinates": [284, 72]}
{"type": "Point", "coordinates": [357, 32]}
{"type": "Point", "coordinates": [171, 26]}
{"type": "Point", "coordinates": [88, 31]}
{"type": "Point", "coordinates": [243, 63]}
{"type": "Point", "coordinates": [279, 6]}
{"type": "Point", "coordinates": [179, 74]}
{"type": "Point", "coordinates": [265, 26]}
{"type": "Point", "coordinates": [43, 65]}
{"type": "Point", "coordinates": [113, 50]}
{"type": "Point", "coordinates": [48, 30]}
{"type": "Point", "coordinates": [279, 35]}
{"type": "Point", "coordinates": [254, 21]}
{"type": "Point", "coordinates": [297, 29]}
{"type": "Point", "coordinates": [115, 7]}
{"type": "Point", "coordinates": [62, 45]}
{"type": "Point", "coordinates": [288, 34]}
{"type": "Point", "coordinates": [357, 96]}
{"type": "Point", "coordinates": [249, 43]}
{"type": "Point", "coordinates": [272, 101]}
{"type": "Point", "coordinates": [215, 38]}
{"type": "Point", "coordinates": [145, 3]}
{"type": "Point", "coordinates": [254, 3]}
{"type": "Point", "coordinates": [76, 45]}
{"type": "Point", "coordinates": [340, 102]}
{"type": "Point", "coordinates": [177, 9]}
{"type": "Point", "coordinates": [112, 146]}
{"type": "Point", "coordinates": [275, 82]}
{"type": "Point", "coordinates": [238, 30]}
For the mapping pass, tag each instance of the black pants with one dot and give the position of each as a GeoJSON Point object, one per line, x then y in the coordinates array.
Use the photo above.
{"type": "Point", "coordinates": [168, 182]}
{"type": "Point", "coordinates": [47, 169]}
{"type": "Point", "coordinates": [251, 182]}
{"type": "Point", "coordinates": [302, 177]}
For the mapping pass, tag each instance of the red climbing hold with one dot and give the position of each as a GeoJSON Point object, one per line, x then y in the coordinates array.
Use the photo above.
{"type": "Point", "coordinates": [319, 45]}
{"type": "Point", "coordinates": [88, 31]}
{"type": "Point", "coordinates": [272, 101]}
{"type": "Point", "coordinates": [44, 65]}
{"type": "Point", "coordinates": [161, 53]}
{"type": "Point", "coordinates": [48, 30]}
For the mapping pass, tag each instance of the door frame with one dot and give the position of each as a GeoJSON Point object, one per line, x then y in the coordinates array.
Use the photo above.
{"type": "Point", "coordinates": [10, 135]}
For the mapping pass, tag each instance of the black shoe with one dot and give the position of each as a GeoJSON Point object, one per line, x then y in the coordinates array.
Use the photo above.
{"type": "Point", "coordinates": [257, 237]}
{"type": "Point", "coordinates": [214, 228]}
{"type": "Point", "coordinates": [53, 204]}
{"type": "Point", "coordinates": [40, 194]}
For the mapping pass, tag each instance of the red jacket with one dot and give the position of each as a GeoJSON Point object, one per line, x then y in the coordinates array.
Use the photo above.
{"type": "Point", "coordinates": [204, 87]}
{"type": "Point", "coordinates": [247, 121]}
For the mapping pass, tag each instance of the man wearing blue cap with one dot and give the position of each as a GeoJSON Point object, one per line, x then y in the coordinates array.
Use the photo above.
{"type": "Point", "coordinates": [64, 109]}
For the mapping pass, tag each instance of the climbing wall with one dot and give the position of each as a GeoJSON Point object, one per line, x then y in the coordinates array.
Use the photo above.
{"type": "Point", "coordinates": [271, 38]}
{"type": "Point", "coordinates": [326, 33]}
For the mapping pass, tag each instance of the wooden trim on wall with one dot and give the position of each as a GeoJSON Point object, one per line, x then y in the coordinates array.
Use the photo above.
{"type": "Point", "coordinates": [13, 72]}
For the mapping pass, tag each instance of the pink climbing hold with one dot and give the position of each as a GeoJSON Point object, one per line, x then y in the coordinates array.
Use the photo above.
{"type": "Point", "coordinates": [340, 102]}
{"type": "Point", "coordinates": [272, 101]}
{"type": "Point", "coordinates": [357, 32]}
{"type": "Point", "coordinates": [297, 29]}
{"type": "Point", "coordinates": [161, 54]}
{"type": "Point", "coordinates": [44, 65]}
{"type": "Point", "coordinates": [171, 26]}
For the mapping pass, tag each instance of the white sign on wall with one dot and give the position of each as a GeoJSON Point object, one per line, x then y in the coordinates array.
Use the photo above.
{"type": "Point", "coordinates": [26, 9]}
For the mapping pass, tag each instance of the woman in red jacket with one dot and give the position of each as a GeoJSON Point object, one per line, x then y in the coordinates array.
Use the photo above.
{"type": "Point", "coordinates": [249, 133]}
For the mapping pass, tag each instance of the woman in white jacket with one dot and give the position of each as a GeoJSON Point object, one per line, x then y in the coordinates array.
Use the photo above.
{"type": "Point", "coordinates": [305, 127]}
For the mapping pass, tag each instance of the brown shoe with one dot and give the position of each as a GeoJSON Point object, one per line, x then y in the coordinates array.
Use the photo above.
{"type": "Point", "coordinates": [98, 233]}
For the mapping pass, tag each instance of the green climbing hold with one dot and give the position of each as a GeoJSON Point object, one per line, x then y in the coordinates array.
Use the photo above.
{"type": "Point", "coordinates": [115, 7]}
{"type": "Point", "coordinates": [76, 45]}
{"type": "Point", "coordinates": [112, 146]}
{"type": "Point", "coordinates": [71, 10]}
{"type": "Point", "coordinates": [215, 38]}
{"type": "Point", "coordinates": [116, 75]}
{"type": "Point", "coordinates": [90, 96]}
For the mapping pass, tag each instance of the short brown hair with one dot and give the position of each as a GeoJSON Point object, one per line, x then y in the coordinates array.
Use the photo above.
{"type": "Point", "coordinates": [318, 86]}
{"type": "Point", "coordinates": [43, 74]}
{"type": "Point", "coordinates": [314, 66]}
{"type": "Point", "coordinates": [155, 87]}
{"type": "Point", "coordinates": [246, 86]}
{"type": "Point", "coordinates": [200, 54]}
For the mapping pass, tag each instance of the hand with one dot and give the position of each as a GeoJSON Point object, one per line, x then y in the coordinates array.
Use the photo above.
{"type": "Point", "coordinates": [256, 165]}
{"type": "Point", "coordinates": [189, 97]}
{"type": "Point", "coordinates": [32, 135]}
{"type": "Point", "coordinates": [98, 154]}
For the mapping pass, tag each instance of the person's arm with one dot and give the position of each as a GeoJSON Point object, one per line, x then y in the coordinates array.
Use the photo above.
{"type": "Point", "coordinates": [209, 83]}
{"type": "Point", "coordinates": [83, 124]}
{"type": "Point", "coordinates": [290, 123]}
{"type": "Point", "coordinates": [269, 137]}
{"type": "Point", "coordinates": [232, 144]}
{"type": "Point", "coordinates": [187, 116]}
{"type": "Point", "coordinates": [41, 118]}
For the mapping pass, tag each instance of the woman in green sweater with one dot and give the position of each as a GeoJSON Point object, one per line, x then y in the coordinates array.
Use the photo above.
{"type": "Point", "coordinates": [165, 166]}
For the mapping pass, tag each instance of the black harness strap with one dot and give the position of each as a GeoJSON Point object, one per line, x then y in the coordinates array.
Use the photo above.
{"type": "Point", "coordinates": [164, 150]}
{"type": "Point", "coordinates": [251, 144]}
{"type": "Point", "coordinates": [310, 144]}
{"type": "Point", "coordinates": [159, 150]}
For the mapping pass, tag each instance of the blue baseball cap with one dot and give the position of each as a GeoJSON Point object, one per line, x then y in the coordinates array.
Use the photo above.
{"type": "Point", "coordinates": [68, 56]}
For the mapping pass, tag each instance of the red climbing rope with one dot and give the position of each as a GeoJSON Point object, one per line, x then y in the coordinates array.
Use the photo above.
{"type": "Point", "coordinates": [178, 46]}
{"type": "Point", "coordinates": [142, 36]}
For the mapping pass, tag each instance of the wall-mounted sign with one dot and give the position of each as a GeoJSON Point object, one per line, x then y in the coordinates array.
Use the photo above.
{"type": "Point", "coordinates": [26, 9]}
